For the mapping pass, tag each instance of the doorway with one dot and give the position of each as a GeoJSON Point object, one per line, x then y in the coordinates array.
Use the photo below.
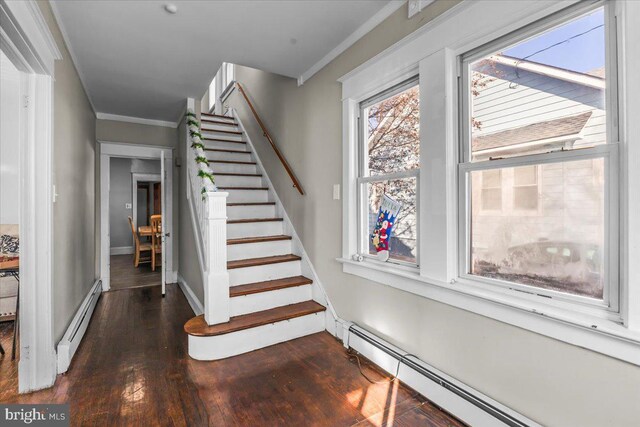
{"type": "Point", "coordinates": [136, 215]}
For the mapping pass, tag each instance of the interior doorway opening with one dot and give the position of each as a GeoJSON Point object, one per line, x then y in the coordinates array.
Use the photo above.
{"type": "Point", "coordinates": [136, 220]}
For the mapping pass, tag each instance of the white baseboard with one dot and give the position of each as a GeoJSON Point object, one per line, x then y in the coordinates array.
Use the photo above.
{"type": "Point", "coordinates": [193, 300]}
{"type": "Point", "coordinates": [460, 400]}
{"type": "Point", "coordinates": [122, 250]}
{"type": "Point", "coordinates": [71, 340]}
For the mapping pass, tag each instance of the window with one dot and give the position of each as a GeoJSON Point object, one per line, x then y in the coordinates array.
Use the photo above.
{"type": "Point", "coordinates": [537, 126]}
{"type": "Point", "coordinates": [389, 164]}
{"type": "Point", "coordinates": [492, 190]}
{"type": "Point", "coordinates": [525, 188]}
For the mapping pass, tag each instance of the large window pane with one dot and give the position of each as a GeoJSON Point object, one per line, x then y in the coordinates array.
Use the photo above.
{"type": "Point", "coordinates": [544, 94]}
{"type": "Point", "coordinates": [403, 241]}
{"type": "Point", "coordinates": [561, 246]}
{"type": "Point", "coordinates": [393, 133]}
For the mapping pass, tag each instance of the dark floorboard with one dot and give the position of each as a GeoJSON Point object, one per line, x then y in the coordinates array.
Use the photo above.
{"type": "Point", "coordinates": [124, 275]}
{"type": "Point", "coordinates": [132, 368]}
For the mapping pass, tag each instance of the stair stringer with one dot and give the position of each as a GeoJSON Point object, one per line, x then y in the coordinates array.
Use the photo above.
{"type": "Point", "coordinates": [318, 291]}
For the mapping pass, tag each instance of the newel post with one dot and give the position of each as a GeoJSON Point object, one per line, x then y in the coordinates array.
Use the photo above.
{"type": "Point", "coordinates": [216, 291]}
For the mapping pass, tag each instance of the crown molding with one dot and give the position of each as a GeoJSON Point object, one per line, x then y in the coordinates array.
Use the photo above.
{"type": "Point", "coordinates": [369, 25]}
{"type": "Point", "coordinates": [137, 120]}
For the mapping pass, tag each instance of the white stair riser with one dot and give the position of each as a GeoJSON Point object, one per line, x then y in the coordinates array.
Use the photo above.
{"type": "Point", "coordinates": [233, 157]}
{"type": "Point", "coordinates": [254, 229]}
{"type": "Point", "coordinates": [221, 135]}
{"type": "Point", "coordinates": [247, 196]}
{"type": "Point", "coordinates": [222, 145]}
{"type": "Point", "coordinates": [258, 250]}
{"type": "Point", "coordinates": [234, 343]}
{"type": "Point", "coordinates": [227, 119]}
{"type": "Point", "coordinates": [232, 168]}
{"type": "Point", "coordinates": [252, 211]}
{"type": "Point", "coordinates": [212, 127]}
{"type": "Point", "coordinates": [238, 181]}
{"type": "Point", "coordinates": [262, 273]}
{"type": "Point", "coordinates": [267, 300]}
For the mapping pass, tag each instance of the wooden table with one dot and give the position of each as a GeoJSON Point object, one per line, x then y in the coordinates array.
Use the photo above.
{"type": "Point", "coordinates": [11, 266]}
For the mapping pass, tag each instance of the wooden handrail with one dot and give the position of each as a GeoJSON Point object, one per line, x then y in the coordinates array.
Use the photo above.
{"type": "Point", "coordinates": [296, 183]}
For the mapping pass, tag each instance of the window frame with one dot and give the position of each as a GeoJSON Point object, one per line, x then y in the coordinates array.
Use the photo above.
{"type": "Point", "coordinates": [609, 307]}
{"type": "Point", "coordinates": [364, 177]}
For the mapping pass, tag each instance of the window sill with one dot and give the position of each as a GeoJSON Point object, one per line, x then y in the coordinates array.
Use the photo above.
{"type": "Point", "coordinates": [597, 334]}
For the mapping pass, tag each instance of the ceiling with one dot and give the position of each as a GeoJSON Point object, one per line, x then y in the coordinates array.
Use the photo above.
{"type": "Point", "coordinates": [137, 60]}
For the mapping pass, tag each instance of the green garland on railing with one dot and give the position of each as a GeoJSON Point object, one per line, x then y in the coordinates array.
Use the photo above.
{"type": "Point", "coordinates": [201, 159]}
{"type": "Point", "coordinates": [202, 174]}
{"type": "Point", "coordinates": [197, 145]}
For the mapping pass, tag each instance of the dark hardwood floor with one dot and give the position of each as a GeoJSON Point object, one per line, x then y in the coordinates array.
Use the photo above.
{"type": "Point", "coordinates": [132, 368]}
{"type": "Point", "coordinates": [124, 275]}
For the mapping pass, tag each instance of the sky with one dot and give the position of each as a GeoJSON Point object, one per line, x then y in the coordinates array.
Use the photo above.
{"type": "Point", "coordinates": [584, 53]}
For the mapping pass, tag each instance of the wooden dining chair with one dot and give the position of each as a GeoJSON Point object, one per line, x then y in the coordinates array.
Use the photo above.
{"type": "Point", "coordinates": [156, 238]}
{"type": "Point", "coordinates": [140, 247]}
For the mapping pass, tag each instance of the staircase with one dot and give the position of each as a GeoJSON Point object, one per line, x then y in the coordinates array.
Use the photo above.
{"type": "Point", "coordinates": [270, 300]}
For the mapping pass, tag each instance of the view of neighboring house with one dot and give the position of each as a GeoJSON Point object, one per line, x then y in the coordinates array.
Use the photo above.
{"type": "Point", "coordinates": [521, 213]}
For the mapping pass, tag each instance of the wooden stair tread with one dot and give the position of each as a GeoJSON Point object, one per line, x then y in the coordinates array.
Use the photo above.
{"type": "Point", "coordinates": [237, 174]}
{"type": "Point", "coordinates": [218, 122]}
{"type": "Point", "coordinates": [224, 140]}
{"type": "Point", "coordinates": [232, 132]}
{"type": "Point", "coordinates": [249, 220]}
{"type": "Point", "coordinates": [217, 115]}
{"type": "Point", "coordinates": [224, 150]}
{"type": "Point", "coordinates": [242, 188]}
{"type": "Point", "coordinates": [257, 239]}
{"type": "Point", "coordinates": [250, 203]}
{"type": "Point", "coordinates": [255, 262]}
{"type": "Point", "coordinates": [199, 328]}
{"type": "Point", "coordinates": [269, 285]}
{"type": "Point", "coordinates": [232, 162]}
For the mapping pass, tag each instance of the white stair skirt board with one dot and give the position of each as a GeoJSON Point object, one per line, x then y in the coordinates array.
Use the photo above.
{"type": "Point", "coordinates": [230, 157]}
{"type": "Point", "coordinates": [250, 211]}
{"type": "Point", "coordinates": [234, 343]}
{"type": "Point", "coordinates": [254, 229]}
{"type": "Point", "coordinates": [261, 301]}
{"type": "Point", "coordinates": [258, 249]}
{"type": "Point", "coordinates": [224, 145]}
{"type": "Point", "coordinates": [446, 392]}
{"type": "Point", "coordinates": [192, 299]}
{"type": "Point", "coordinates": [231, 168]}
{"type": "Point", "coordinates": [247, 196]}
{"type": "Point", "coordinates": [262, 273]}
{"type": "Point", "coordinates": [221, 135]}
{"type": "Point", "coordinates": [122, 250]}
{"type": "Point", "coordinates": [71, 339]}
{"type": "Point", "coordinates": [238, 181]}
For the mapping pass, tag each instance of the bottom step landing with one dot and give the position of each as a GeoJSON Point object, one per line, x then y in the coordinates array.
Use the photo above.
{"type": "Point", "coordinates": [253, 331]}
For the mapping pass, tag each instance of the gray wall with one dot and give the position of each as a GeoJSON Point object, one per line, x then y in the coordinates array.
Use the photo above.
{"type": "Point", "coordinates": [187, 252]}
{"type": "Point", "coordinates": [74, 212]}
{"type": "Point", "coordinates": [119, 196]}
{"type": "Point", "coordinates": [552, 382]}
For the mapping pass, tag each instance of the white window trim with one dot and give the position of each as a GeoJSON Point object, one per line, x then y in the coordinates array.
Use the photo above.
{"type": "Point", "coordinates": [434, 50]}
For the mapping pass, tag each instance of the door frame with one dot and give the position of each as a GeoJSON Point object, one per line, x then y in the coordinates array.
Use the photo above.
{"type": "Point", "coordinates": [109, 149]}
{"type": "Point", "coordinates": [144, 177]}
{"type": "Point", "coordinates": [29, 44]}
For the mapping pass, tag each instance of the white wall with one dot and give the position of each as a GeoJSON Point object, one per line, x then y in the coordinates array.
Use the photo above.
{"type": "Point", "coordinates": [9, 142]}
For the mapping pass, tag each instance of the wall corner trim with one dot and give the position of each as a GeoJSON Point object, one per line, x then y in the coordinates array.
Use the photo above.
{"type": "Point", "coordinates": [360, 32]}
{"type": "Point", "coordinates": [137, 120]}
{"type": "Point", "coordinates": [75, 332]}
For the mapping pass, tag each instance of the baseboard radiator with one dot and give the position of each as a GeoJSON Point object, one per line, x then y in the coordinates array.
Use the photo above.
{"type": "Point", "coordinates": [462, 401]}
{"type": "Point", "coordinates": [78, 326]}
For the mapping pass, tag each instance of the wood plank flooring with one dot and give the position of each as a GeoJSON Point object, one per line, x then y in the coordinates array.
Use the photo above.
{"type": "Point", "coordinates": [132, 368]}
{"type": "Point", "coordinates": [124, 275]}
